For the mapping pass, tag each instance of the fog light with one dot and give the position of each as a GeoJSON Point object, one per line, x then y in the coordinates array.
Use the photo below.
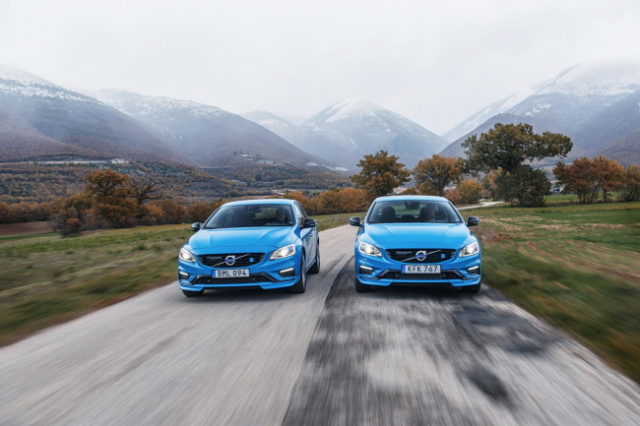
{"type": "Point", "coordinates": [183, 275]}
{"type": "Point", "coordinates": [289, 272]}
{"type": "Point", "coordinates": [474, 270]}
{"type": "Point", "coordinates": [365, 269]}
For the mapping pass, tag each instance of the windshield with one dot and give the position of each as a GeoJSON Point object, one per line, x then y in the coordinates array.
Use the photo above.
{"type": "Point", "coordinates": [251, 215]}
{"type": "Point", "coordinates": [411, 211]}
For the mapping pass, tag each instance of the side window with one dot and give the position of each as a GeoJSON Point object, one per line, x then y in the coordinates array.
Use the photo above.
{"type": "Point", "coordinates": [300, 215]}
{"type": "Point", "coordinates": [303, 211]}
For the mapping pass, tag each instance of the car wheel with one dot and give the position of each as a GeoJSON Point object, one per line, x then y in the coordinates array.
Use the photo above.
{"type": "Point", "coordinates": [301, 285]}
{"type": "Point", "coordinates": [363, 288]}
{"type": "Point", "coordinates": [471, 288]}
{"type": "Point", "coordinates": [315, 268]}
{"type": "Point", "coordinates": [190, 293]}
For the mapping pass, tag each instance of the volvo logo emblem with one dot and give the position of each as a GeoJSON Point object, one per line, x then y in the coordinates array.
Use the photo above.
{"type": "Point", "coordinates": [230, 260]}
{"type": "Point", "coordinates": [421, 256]}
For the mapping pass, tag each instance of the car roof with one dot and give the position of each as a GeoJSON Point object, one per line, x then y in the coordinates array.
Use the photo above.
{"type": "Point", "coordinates": [412, 198]}
{"type": "Point", "coordinates": [280, 201]}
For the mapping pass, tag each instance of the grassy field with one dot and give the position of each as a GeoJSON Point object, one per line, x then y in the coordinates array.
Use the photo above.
{"type": "Point", "coordinates": [578, 266]}
{"type": "Point", "coordinates": [46, 279]}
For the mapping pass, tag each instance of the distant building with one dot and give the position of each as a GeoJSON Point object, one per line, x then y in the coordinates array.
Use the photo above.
{"type": "Point", "coordinates": [400, 190]}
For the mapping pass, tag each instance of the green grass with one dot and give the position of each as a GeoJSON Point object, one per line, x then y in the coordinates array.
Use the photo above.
{"type": "Point", "coordinates": [46, 279]}
{"type": "Point", "coordinates": [578, 266]}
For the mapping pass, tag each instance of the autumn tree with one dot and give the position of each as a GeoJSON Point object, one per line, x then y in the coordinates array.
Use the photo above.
{"type": "Point", "coordinates": [469, 191]}
{"type": "Point", "coordinates": [308, 203]}
{"type": "Point", "coordinates": [507, 147]}
{"type": "Point", "coordinates": [609, 175]}
{"type": "Point", "coordinates": [587, 177]}
{"type": "Point", "coordinates": [380, 174]}
{"type": "Point", "coordinates": [631, 184]}
{"type": "Point", "coordinates": [142, 190]}
{"type": "Point", "coordinates": [341, 200]}
{"type": "Point", "coordinates": [69, 214]}
{"type": "Point", "coordinates": [112, 199]}
{"type": "Point", "coordinates": [434, 174]}
{"type": "Point", "coordinates": [578, 178]}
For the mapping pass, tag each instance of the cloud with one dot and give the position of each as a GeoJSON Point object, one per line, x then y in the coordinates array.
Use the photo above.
{"type": "Point", "coordinates": [436, 62]}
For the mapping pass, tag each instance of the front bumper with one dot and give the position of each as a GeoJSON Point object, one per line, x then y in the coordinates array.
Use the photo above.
{"type": "Point", "coordinates": [384, 272]}
{"type": "Point", "coordinates": [265, 275]}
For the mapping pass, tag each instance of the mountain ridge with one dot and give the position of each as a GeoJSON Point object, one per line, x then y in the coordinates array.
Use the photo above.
{"type": "Point", "coordinates": [565, 104]}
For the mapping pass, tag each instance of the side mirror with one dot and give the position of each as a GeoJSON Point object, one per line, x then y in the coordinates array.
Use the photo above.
{"type": "Point", "coordinates": [195, 226]}
{"type": "Point", "coordinates": [309, 223]}
{"type": "Point", "coordinates": [473, 221]}
{"type": "Point", "coordinates": [354, 221]}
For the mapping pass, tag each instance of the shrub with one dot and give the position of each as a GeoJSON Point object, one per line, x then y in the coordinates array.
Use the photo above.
{"type": "Point", "coordinates": [470, 191]}
{"type": "Point", "coordinates": [72, 226]}
{"type": "Point", "coordinates": [70, 214]}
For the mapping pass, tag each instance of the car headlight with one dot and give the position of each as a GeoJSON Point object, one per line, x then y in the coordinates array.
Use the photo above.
{"type": "Point", "coordinates": [187, 256]}
{"type": "Point", "coordinates": [282, 252]}
{"type": "Point", "coordinates": [369, 250]}
{"type": "Point", "coordinates": [470, 249]}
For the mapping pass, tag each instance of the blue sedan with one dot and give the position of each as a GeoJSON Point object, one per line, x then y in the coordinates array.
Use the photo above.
{"type": "Point", "coordinates": [416, 240]}
{"type": "Point", "coordinates": [266, 244]}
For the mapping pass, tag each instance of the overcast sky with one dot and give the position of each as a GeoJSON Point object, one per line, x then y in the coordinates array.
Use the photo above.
{"type": "Point", "coordinates": [436, 62]}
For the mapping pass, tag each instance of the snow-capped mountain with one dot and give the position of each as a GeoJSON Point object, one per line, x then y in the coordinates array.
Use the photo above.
{"type": "Point", "coordinates": [304, 136]}
{"type": "Point", "coordinates": [614, 132]}
{"type": "Point", "coordinates": [347, 130]}
{"type": "Point", "coordinates": [208, 135]}
{"type": "Point", "coordinates": [595, 79]}
{"type": "Point", "coordinates": [41, 119]}
{"type": "Point", "coordinates": [273, 122]}
{"type": "Point", "coordinates": [485, 114]}
{"type": "Point", "coordinates": [362, 127]}
{"type": "Point", "coordinates": [15, 82]}
{"type": "Point", "coordinates": [563, 104]}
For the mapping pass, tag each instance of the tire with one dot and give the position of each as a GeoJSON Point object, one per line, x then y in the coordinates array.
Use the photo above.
{"type": "Point", "coordinates": [363, 288]}
{"type": "Point", "coordinates": [189, 293]}
{"type": "Point", "coordinates": [315, 268]}
{"type": "Point", "coordinates": [301, 285]}
{"type": "Point", "coordinates": [471, 288]}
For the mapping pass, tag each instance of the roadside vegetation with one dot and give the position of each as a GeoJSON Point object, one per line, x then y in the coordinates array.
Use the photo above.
{"type": "Point", "coordinates": [47, 279]}
{"type": "Point", "coordinates": [577, 266]}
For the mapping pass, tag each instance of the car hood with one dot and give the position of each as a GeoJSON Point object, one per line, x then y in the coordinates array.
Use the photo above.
{"type": "Point", "coordinates": [244, 239]}
{"type": "Point", "coordinates": [419, 235]}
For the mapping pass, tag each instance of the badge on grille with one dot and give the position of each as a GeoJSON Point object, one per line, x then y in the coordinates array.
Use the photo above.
{"type": "Point", "coordinates": [230, 260]}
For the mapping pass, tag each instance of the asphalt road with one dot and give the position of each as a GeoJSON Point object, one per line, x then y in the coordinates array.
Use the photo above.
{"type": "Point", "coordinates": [329, 356]}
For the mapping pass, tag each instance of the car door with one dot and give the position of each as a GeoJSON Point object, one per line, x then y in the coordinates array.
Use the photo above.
{"type": "Point", "coordinates": [307, 235]}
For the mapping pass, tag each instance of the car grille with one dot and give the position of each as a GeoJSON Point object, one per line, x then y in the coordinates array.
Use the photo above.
{"type": "Point", "coordinates": [409, 255]}
{"type": "Point", "coordinates": [203, 279]}
{"type": "Point", "coordinates": [396, 275]}
{"type": "Point", "coordinates": [241, 259]}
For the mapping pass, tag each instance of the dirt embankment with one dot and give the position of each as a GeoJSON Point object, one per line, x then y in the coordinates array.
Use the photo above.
{"type": "Point", "coordinates": [25, 228]}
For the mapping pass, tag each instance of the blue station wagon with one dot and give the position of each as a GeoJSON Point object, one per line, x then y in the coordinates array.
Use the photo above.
{"type": "Point", "coordinates": [266, 244]}
{"type": "Point", "coordinates": [416, 240]}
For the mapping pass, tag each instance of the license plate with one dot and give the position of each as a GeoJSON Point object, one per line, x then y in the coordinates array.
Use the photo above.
{"type": "Point", "coordinates": [231, 273]}
{"type": "Point", "coordinates": [421, 269]}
